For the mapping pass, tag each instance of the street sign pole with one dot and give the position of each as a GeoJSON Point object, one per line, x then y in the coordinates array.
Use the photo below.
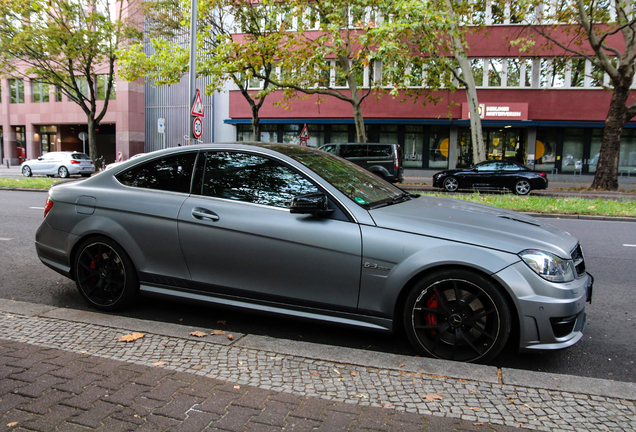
{"type": "Point", "coordinates": [193, 60]}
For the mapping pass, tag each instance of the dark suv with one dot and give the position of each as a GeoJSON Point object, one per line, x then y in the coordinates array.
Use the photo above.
{"type": "Point", "coordinates": [383, 160]}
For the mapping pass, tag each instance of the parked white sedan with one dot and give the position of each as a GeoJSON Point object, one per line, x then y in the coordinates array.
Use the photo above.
{"type": "Point", "coordinates": [62, 164]}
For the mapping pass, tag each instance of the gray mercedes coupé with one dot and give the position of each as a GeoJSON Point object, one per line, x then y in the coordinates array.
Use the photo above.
{"type": "Point", "coordinates": [292, 230]}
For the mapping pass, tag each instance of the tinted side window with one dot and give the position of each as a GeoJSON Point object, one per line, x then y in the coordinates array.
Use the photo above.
{"type": "Point", "coordinates": [79, 156]}
{"type": "Point", "coordinates": [172, 173]}
{"type": "Point", "coordinates": [355, 150]}
{"type": "Point", "coordinates": [380, 151]}
{"type": "Point", "coordinates": [490, 166]}
{"type": "Point", "coordinates": [329, 148]}
{"type": "Point", "coordinates": [251, 178]}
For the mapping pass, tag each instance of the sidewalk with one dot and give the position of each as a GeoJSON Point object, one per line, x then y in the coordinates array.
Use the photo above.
{"type": "Point", "coordinates": [64, 369]}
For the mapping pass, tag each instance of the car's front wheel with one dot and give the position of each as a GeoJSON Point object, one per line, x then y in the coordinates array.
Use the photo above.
{"type": "Point", "coordinates": [451, 184]}
{"type": "Point", "coordinates": [457, 315]}
{"type": "Point", "coordinates": [26, 171]}
{"type": "Point", "coordinates": [63, 172]}
{"type": "Point", "coordinates": [105, 275]}
{"type": "Point", "coordinates": [522, 187]}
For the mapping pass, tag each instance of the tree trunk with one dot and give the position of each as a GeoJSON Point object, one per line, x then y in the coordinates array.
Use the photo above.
{"type": "Point", "coordinates": [256, 123]}
{"type": "Point", "coordinates": [606, 176]}
{"type": "Point", "coordinates": [476, 132]}
{"type": "Point", "coordinates": [358, 118]}
{"type": "Point", "coordinates": [92, 138]}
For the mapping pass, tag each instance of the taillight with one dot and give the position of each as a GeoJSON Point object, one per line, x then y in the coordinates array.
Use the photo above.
{"type": "Point", "coordinates": [74, 162]}
{"type": "Point", "coordinates": [543, 174]}
{"type": "Point", "coordinates": [396, 161]}
{"type": "Point", "coordinates": [48, 206]}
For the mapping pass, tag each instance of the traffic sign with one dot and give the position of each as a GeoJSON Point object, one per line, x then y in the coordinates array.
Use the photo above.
{"type": "Point", "coordinates": [197, 106]}
{"type": "Point", "coordinates": [161, 125]}
{"type": "Point", "coordinates": [304, 134]}
{"type": "Point", "coordinates": [197, 127]}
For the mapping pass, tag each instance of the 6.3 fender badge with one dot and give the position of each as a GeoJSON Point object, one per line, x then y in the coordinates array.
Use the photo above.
{"type": "Point", "coordinates": [375, 267]}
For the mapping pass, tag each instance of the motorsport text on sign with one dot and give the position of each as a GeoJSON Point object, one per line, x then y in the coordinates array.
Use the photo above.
{"type": "Point", "coordinates": [499, 111]}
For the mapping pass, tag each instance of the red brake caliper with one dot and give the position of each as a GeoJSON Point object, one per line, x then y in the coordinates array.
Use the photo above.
{"type": "Point", "coordinates": [430, 317]}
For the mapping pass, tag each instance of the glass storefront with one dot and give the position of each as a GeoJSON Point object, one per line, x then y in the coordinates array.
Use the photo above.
{"type": "Point", "coordinates": [413, 146]}
{"type": "Point", "coordinates": [627, 155]}
{"type": "Point", "coordinates": [573, 146]}
{"type": "Point", "coordinates": [438, 147]}
{"type": "Point", "coordinates": [545, 152]}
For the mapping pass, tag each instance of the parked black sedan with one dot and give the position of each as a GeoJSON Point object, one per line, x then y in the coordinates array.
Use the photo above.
{"type": "Point", "coordinates": [492, 175]}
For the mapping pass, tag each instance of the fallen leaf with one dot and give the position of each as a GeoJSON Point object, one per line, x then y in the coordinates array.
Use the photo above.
{"type": "Point", "coordinates": [237, 387]}
{"type": "Point", "coordinates": [474, 408]}
{"type": "Point", "coordinates": [336, 371]}
{"type": "Point", "coordinates": [198, 334]}
{"type": "Point", "coordinates": [159, 363]}
{"type": "Point", "coordinates": [131, 337]}
{"type": "Point", "coordinates": [220, 322]}
{"type": "Point", "coordinates": [431, 398]}
{"type": "Point", "coordinates": [217, 332]}
{"type": "Point", "coordinates": [402, 365]}
{"type": "Point", "coordinates": [353, 374]}
{"type": "Point", "coordinates": [556, 379]}
{"type": "Point", "coordinates": [168, 345]}
{"type": "Point", "coordinates": [12, 424]}
{"type": "Point", "coordinates": [230, 337]}
{"type": "Point", "coordinates": [478, 424]}
{"type": "Point", "coordinates": [472, 391]}
{"type": "Point", "coordinates": [315, 375]}
{"type": "Point", "coordinates": [362, 396]}
{"type": "Point", "coordinates": [386, 404]}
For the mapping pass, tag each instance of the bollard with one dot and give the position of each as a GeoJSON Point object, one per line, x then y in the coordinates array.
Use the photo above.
{"type": "Point", "coordinates": [7, 160]}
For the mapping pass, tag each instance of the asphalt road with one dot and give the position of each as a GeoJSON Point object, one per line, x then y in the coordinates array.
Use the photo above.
{"type": "Point", "coordinates": [607, 350]}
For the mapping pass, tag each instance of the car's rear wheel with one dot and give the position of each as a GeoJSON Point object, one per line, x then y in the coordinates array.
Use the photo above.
{"type": "Point", "coordinates": [522, 187]}
{"type": "Point", "coordinates": [105, 275]}
{"type": "Point", "coordinates": [63, 172]}
{"type": "Point", "coordinates": [26, 171]}
{"type": "Point", "coordinates": [451, 184]}
{"type": "Point", "coordinates": [457, 315]}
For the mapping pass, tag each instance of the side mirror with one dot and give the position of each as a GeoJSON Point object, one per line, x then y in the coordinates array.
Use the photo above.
{"type": "Point", "coordinates": [315, 204]}
{"type": "Point", "coordinates": [40, 158]}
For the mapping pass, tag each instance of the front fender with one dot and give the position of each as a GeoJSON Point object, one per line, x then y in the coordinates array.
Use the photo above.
{"type": "Point", "coordinates": [389, 267]}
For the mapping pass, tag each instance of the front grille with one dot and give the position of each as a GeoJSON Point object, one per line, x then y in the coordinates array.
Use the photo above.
{"type": "Point", "coordinates": [563, 326]}
{"type": "Point", "coordinates": [579, 261]}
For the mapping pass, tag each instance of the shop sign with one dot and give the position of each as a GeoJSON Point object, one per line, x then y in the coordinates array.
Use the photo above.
{"type": "Point", "coordinates": [499, 111]}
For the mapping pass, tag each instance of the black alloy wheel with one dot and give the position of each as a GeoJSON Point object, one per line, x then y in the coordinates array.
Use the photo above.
{"type": "Point", "coordinates": [105, 275]}
{"type": "Point", "coordinates": [26, 171]}
{"type": "Point", "coordinates": [457, 315]}
{"type": "Point", "coordinates": [522, 187]}
{"type": "Point", "coordinates": [451, 184]}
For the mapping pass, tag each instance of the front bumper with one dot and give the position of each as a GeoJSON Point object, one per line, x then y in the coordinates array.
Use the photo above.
{"type": "Point", "coordinates": [551, 316]}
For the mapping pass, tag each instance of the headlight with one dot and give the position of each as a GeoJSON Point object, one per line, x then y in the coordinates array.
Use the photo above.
{"type": "Point", "coordinates": [548, 266]}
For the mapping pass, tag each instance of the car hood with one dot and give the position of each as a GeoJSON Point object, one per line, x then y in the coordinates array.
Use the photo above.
{"type": "Point", "coordinates": [476, 224]}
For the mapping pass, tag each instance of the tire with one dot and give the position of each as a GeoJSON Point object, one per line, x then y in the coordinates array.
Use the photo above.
{"type": "Point", "coordinates": [474, 328]}
{"type": "Point", "coordinates": [63, 172]}
{"type": "Point", "coordinates": [105, 275]}
{"type": "Point", "coordinates": [26, 171]}
{"type": "Point", "coordinates": [522, 187]}
{"type": "Point", "coordinates": [451, 184]}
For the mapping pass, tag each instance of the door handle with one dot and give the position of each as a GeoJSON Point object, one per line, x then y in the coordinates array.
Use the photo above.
{"type": "Point", "coordinates": [200, 213]}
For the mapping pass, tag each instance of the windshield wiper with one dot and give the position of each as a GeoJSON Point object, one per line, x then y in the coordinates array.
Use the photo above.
{"type": "Point", "coordinates": [404, 196]}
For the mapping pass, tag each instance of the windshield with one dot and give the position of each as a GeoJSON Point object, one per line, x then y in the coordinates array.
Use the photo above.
{"type": "Point", "coordinates": [360, 185]}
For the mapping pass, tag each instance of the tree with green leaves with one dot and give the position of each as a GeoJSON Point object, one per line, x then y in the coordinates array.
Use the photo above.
{"type": "Point", "coordinates": [238, 41]}
{"type": "Point", "coordinates": [603, 32]}
{"type": "Point", "coordinates": [67, 44]}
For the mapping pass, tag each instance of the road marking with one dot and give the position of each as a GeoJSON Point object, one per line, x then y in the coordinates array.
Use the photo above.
{"type": "Point", "coordinates": [5, 239]}
{"type": "Point", "coordinates": [628, 245]}
{"type": "Point", "coordinates": [37, 208]}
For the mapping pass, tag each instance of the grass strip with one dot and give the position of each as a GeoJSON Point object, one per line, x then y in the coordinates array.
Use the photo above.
{"type": "Point", "coordinates": [551, 205]}
{"type": "Point", "coordinates": [44, 183]}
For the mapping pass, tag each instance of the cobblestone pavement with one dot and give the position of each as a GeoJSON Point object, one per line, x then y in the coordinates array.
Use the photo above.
{"type": "Point", "coordinates": [67, 374]}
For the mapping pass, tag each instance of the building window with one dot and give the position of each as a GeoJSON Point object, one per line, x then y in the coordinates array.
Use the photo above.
{"type": "Point", "coordinates": [58, 94]}
{"type": "Point", "coordinates": [244, 133]}
{"type": "Point", "coordinates": [17, 90]}
{"type": "Point", "coordinates": [40, 91]}
{"type": "Point", "coordinates": [572, 159]}
{"type": "Point", "coordinates": [627, 155]}
{"type": "Point", "coordinates": [291, 133]}
{"type": "Point", "coordinates": [102, 87]}
{"type": "Point", "coordinates": [339, 134]}
{"type": "Point", "coordinates": [269, 133]}
{"type": "Point", "coordinates": [545, 149]}
{"type": "Point", "coordinates": [388, 134]}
